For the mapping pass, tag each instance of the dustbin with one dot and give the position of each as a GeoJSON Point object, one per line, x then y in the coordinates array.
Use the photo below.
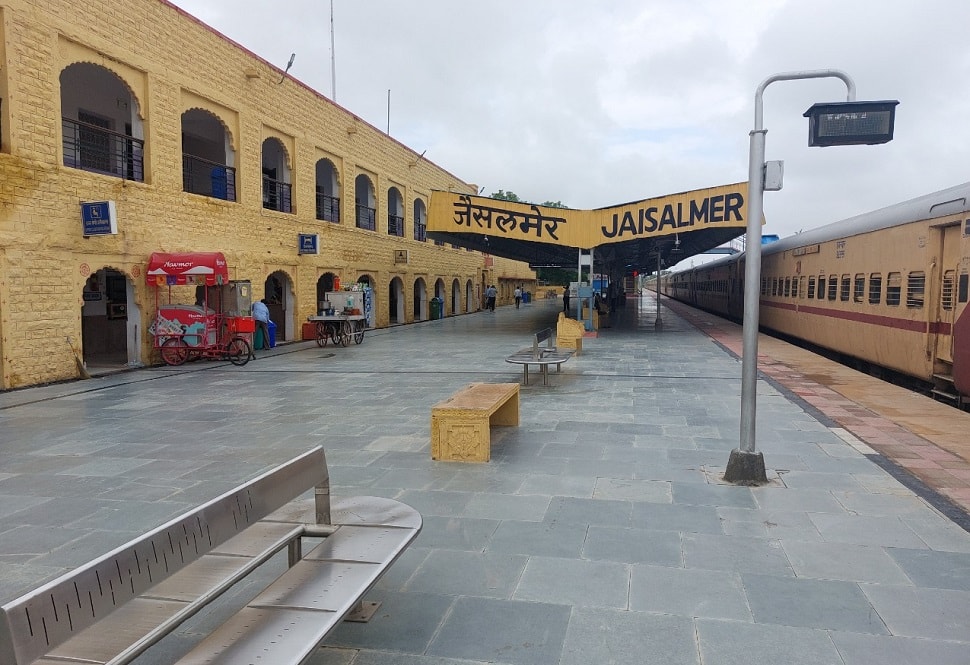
{"type": "Point", "coordinates": [435, 308]}
{"type": "Point", "coordinates": [272, 334]}
{"type": "Point", "coordinates": [526, 296]}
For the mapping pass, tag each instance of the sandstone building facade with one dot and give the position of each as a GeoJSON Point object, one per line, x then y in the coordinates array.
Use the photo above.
{"type": "Point", "coordinates": [196, 145]}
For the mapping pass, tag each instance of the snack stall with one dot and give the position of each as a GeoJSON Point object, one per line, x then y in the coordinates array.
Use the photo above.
{"type": "Point", "coordinates": [218, 325]}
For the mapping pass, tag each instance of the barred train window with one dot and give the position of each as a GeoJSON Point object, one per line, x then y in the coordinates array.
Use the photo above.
{"type": "Point", "coordinates": [833, 286]}
{"type": "Point", "coordinates": [894, 288]}
{"type": "Point", "coordinates": [787, 286]}
{"type": "Point", "coordinates": [844, 291]}
{"type": "Point", "coordinates": [946, 296]}
{"type": "Point", "coordinates": [962, 287]}
{"type": "Point", "coordinates": [860, 287]}
{"type": "Point", "coordinates": [811, 287]}
{"type": "Point", "coordinates": [794, 286]}
{"type": "Point", "coordinates": [915, 289]}
{"type": "Point", "coordinates": [875, 288]}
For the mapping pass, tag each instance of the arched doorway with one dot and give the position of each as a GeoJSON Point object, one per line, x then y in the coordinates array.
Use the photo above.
{"type": "Point", "coordinates": [455, 297]}
{"type": "Point", "coordinates": [420, 300]}
{"type": "Point", "coordinates": [280, 299]}
{"type": "Point", "coordinates": [110, 321]}
{"type": "Point", "coordinates": [395, 298]}
{"type": "Point", "coordinates": [325, 285]}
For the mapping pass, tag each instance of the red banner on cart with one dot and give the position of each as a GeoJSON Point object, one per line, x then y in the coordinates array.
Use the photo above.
{"type": "Point", "coordinates": [207, 268]}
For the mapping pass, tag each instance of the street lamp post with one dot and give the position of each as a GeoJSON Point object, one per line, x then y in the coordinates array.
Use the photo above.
{"type": "Point", "coordinates": [745, 465]}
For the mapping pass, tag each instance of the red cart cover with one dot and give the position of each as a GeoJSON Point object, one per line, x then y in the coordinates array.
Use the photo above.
{"type": "Point", "coordinates": [207, 268]}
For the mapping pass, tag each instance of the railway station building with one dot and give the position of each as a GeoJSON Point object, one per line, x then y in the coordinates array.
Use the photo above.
{"type": "Point", "coordinates": [129, 127]}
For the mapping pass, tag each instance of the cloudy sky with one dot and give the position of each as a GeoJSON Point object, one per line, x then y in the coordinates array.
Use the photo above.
{"type": "Point", "coordinates": [600, 103]}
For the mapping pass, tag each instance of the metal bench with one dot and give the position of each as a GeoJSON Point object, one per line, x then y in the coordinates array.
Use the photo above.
{"type": "Point", "coordinates": [114, 608]}
{"type": "Point", "coordinates": [542, 353]}
{"type": "Point", "coordinates": [461, 425]}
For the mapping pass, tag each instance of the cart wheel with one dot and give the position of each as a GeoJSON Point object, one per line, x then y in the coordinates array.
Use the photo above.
{"type": "Point", "coordinates": [238, 351]}
{"type": "Point", "coordinates": [174, 352]}
{"type": "Point", "coordinates": [345, 333]}
{"type": "Point", "coordinates": [322, 334]}
{"type": "Point", "coordinates": [359, 332]}
{"type": "Point", "coordinates": [335, 333]}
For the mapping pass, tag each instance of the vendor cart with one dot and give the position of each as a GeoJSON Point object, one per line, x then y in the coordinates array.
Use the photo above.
{"type": "Point", "coordinates": [339, 328]}
{"type": "Point", "coordinates": [217, 327]}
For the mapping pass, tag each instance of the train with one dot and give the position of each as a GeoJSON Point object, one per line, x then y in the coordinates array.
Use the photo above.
{"type": "Point", "coordinates": [885, 291]}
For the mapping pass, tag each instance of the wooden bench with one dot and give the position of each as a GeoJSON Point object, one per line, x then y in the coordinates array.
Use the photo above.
{"type": "Point", "coordinates": [542, 353]}
{"type": "Point", "coordinates": [461, 425]}
{"type": "Point", "coordinates": [569, 333]}
{"type": "Point", "coordinates": [114, 608]}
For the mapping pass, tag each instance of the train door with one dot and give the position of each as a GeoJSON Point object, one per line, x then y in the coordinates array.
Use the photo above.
{"type": "Point", "coordinates": [947, 305]}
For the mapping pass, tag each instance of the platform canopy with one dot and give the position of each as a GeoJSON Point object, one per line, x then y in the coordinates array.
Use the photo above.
{"type": "Point", "coordinates": [625, 238]}
{"type": "Point", "coordinates": [209, 268]}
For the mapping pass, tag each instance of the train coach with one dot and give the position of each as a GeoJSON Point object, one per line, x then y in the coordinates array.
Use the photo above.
{"type": "Point", "coordinates": [887, 290]}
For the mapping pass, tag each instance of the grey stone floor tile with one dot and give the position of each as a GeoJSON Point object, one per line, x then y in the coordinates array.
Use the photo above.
{"type": "Point", "coordinates": [734, 554]}
{"type": "Point", "coordinates": [405, 622]}
{"type": "Point", "coordinates": [829, 481]}
{"type": "Point", "coordinates": [545, 485]}
{"type": "Point", "coordinates": [675, 517]}
{"type": "Point", "coordinates": [456, 573]}
{"type": "Point", "coordinates": [653, 491]}
{"type": "Point", "coordinates": [825, 604]}
{"type": "Point", "coordinates": [611, 636]}
{"type": "Point", "coordinates": [804, 500]}
{"type": "Point", "coordinates": [575, 582]}
{"type": "Point", "coordinates": [844, 561]}
{"type": "Point", "coordinates": [526, 508]}
{"type": "Point", "coordinates": [633, 546]}
{"type": "Point", "coordinates": [552, 539]}
{"type": "Point", "coordinates": [939, 533]}
{"type": "Point", "coordinates": [738, 643]}
{"type": "Point", "coordinates": [437, 502]}
{"type": "Point", "coordinates": [938, 570]}
{"type": "Point", "coordinates": [456, 533]}
{"type": "Point", "coordinates": [934, 614]}
{"type": "Point", "coordinates": [503, 631]}
{"type": "Point", "coordinates": [689, 593]}
{"type": "Point", "coordinates": [696, 494]}
{"type": "Point", "coordinates": [859, 649]}
{"type": "Point", "coordinates": [865, 503]}
{"type": "Point", "coordinates": [866, 530]}
{"type": "Point", "coordinates": [397, 576]}
{"type": "Point", "coordinates": [572, 510]}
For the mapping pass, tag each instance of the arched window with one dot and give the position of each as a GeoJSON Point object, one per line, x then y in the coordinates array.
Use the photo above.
{"type": "Point", "coordinates": [207, 156]}
{"type": "Point", "coordinates": [277, 190]}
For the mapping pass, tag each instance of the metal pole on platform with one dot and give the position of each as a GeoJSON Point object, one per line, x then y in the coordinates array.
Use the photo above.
{"type": "Point", "coordinates": [745, 465]}
{"type": "Point", "coordinates": [659, 321]}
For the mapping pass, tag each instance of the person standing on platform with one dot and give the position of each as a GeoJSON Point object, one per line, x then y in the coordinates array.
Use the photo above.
{"type": "Point", "coordinates": [261, 316]}
{"type": "Point", "coordinates": [490, 294]}
{"type": "Point", "coordinates": [518, 296]}
{"type": "Point", "coordinates": [565, 299]}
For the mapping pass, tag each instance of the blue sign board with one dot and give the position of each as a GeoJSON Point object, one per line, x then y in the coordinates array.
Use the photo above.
{"type": "Point", "coordinates": [309, 243]}
{"type": "Point", "coordinates": [99, 218]}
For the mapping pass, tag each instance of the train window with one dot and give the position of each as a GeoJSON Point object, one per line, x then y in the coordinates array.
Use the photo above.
{"type": "Point", "coordinates": [875, 288]}
{"type": "Point", "coordinates": [794, 286]}
{"type": "Point", "coordinates": [946, 296]}
{"type": "Point", "coordinates": [774, 286]}
{"type": "Point", "coordinates": [811, 287]}
{"type": "Point", "coordinates": [860, 287]}
{"type": "Point", "coordinates": [787, 286]}
{"type": "Point", "coordinates": [915, 289]}
{"type": "Point", "coordinates": [894, 288]}
{"type": "Point", "coordinates": [962, 287]}
{"type": "Point", "coordinates": [833, 286]}
{"type": "Point", "coordinates": [844, 290]}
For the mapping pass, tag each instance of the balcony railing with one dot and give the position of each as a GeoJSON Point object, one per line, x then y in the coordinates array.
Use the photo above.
{"type": "Point", "coordinates": [92, 148]}
{"type": "Point", "coordinates": [276, 195]}
{"type": "Point", "coordinates": [395, 226]}
{"type": "Point", "coordinates": [366, 218]}
{"type": "Point", "coordinates": [328, 208]}
{"type": "Point", "coordinates": [420, 231]}
{"type": "Point", "coordinates": [200, 176]}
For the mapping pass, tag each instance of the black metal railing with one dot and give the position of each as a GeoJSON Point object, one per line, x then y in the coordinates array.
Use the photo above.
{"type": "Point", "coordinates": [395, 225]}
{"type": "Point", "coordinates": [328, 208]}
{"type": "Point", "coordinates": [276, 195]}
{"type": "Point", "coordinates": [92, 148]}
{"type": "Point", "coordinates": [200, 176]}
{"type": "Point", "coordinates": [366, 218]}
{"type": "Point", "coordinates": [420, 231]}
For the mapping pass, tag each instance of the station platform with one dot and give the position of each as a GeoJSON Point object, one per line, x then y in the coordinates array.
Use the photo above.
{"type": "Point", "coordinates": [599, 532]}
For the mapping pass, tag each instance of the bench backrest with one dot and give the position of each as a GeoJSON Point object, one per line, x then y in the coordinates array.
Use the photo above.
{"type": "Point", "coordinates": [540, 337]}
{"type": "Point", "coordinates": [45, 618]}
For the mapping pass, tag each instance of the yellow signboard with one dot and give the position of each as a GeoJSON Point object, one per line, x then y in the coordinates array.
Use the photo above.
{"type": "Point", "coordinates": [722, 207]}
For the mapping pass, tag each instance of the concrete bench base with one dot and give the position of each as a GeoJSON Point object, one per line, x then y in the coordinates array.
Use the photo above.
{"type": "Point", "coordinates": [461, 425]}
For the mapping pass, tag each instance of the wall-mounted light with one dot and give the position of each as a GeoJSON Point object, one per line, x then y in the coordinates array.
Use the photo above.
{"type": "Point", "coordinates": [288, 65]}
